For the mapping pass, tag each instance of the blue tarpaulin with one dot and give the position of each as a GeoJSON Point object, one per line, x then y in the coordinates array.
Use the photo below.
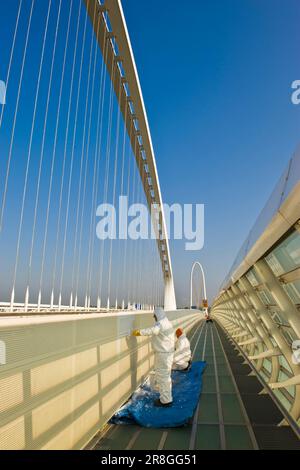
{"type": "Point", "coordinates": [140, 408]}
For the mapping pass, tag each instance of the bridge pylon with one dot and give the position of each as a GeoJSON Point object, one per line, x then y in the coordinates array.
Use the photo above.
{"type": "Point", "coordinates": [170, 299]}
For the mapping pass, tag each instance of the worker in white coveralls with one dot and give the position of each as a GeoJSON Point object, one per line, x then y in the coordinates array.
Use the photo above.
{"type": "Point", "coordinates": [163, 343]}
{"type": "Point", "coordinates": [183, 354]}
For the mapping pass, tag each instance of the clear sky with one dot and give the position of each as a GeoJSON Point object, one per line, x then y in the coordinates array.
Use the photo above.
{"type": "Point", "coordinates": [216, 77]}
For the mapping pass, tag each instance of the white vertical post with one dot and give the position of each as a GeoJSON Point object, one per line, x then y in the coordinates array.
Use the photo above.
{"type": "Point", "coordinates": [169, 297]}
{"type": "Point", "coordinates": [52, 300]}
{"type": "Point", "coordinates": [12, 300]}
{"type": "Point", "coordinates": [39, 301]}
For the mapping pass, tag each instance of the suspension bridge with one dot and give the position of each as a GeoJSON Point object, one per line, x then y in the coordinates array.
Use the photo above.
{"type": "Point", "coordinates": [74, 134]}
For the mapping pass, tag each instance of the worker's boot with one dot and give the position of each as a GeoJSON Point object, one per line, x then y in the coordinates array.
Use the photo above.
{"type": "Point", "coordinates": [162, 405]}
{"type": "Point", "coordinates": [188, 367]}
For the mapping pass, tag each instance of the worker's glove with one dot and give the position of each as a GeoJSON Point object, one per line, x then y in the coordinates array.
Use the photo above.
{"type": "Point", "coordinates": [136, 333]}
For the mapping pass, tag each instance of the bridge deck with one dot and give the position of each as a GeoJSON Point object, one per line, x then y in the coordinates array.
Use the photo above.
{"type": "Point", "coordinates": [228, 402]}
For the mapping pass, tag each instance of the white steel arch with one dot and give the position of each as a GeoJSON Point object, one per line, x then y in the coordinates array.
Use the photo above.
{"type": "Point", "coordinates": [197, 263]}
{"type": "Point", "coordinates": [116, 49]}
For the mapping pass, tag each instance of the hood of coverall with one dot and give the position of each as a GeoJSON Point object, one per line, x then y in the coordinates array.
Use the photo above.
{"type": "Point", "coordinates": [159, 313]}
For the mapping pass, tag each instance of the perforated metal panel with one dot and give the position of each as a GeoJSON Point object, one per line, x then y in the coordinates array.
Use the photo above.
{"type": "Point", "coordinates": [63, 379]}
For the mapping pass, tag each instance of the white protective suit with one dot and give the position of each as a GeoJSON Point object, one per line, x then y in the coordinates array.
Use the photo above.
{"type": "Point", "coordinates": [163, 345]}
{"type": "Point", "coordinates": [183, 354]}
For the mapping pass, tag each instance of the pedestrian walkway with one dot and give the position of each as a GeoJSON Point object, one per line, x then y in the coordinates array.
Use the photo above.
{"type": "Point", "coordinates": [230, 415]}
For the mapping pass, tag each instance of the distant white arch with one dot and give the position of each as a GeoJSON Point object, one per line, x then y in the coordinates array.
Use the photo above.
{"type": "Point", "coordinates": [197, 263]}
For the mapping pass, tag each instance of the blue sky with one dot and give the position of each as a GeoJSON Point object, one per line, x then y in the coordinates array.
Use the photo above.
{"type": "Point", "coordinates": [216, 78]}
{"type": "Point", "coordinates": [71, 166]}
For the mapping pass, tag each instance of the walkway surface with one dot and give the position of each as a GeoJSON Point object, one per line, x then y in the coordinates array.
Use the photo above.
{"type": "Point", "coordinates": [230, 415]}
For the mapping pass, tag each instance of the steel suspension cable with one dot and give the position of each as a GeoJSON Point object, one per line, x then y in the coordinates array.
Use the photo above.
{"type": "Point", "coordinates": [107, 166]}
{"type": "Point", "coordinates": [98, 152]}
{"type": "Point", "coordinates": [137, 241]}
{"type": "Point", "coordinates": [15, 117]}
{"type": "Point", "coordinates": [29, 155]}
{"type": "Point", "coordinates": [97, 157]}
{"type": "Point", "coordinates": [114, 188]}
{"type": "Point", "coordinates": [73, 150]}
{"type": "Point", "coordinates": [54, 154]}
{"type": "Point", "coordinates": [87, 158]}
{"type": "Point", "coordinates": [64, 160]}
{"type": "Point", "coordinates": [122, 190]}
{"type": "Point", "coordinates": [128, 198]}
{"type": "Point", "coordinates": [42, 149]}
{"type": "Point", "coordinates": [80, 188]}
{"type": "Point", "coordinates": [135, 177]}
{"type": "Point", "coordinates": [95, 169]}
